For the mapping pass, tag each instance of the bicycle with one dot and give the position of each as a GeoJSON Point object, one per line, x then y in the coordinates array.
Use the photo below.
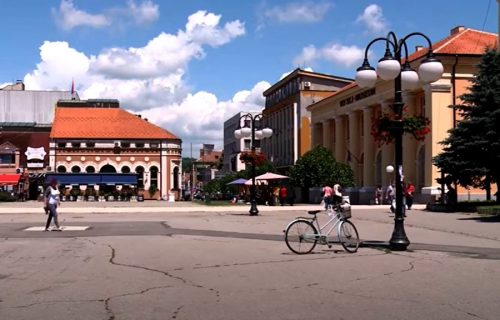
{"type": "Point", "coordinates": [301, 235]}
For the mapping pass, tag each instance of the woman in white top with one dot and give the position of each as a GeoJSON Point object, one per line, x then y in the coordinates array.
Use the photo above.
{"type": "Point", "coordinates": [52, 200]}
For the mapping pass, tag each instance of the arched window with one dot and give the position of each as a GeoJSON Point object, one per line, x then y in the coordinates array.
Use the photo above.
{"type": "Point", "coordinates": [90, 169]}
{"type": "Point", "coordinates": [140, 176]}
{"type": "Point", "coordinates": [61, 169]}
{"type": "Point", "coordinates": [154, 176]}
{"type": "Point", "coordinates": [176, 178]}
{"type": "Point", "coordinates": [125, 169]}
{"type": "Point", "coordinates": [76, 169]}
{"type": "Point", "coordinates": [108, 169]}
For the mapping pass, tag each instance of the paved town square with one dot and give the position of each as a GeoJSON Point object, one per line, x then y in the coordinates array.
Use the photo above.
{"type": "Point", "coordinates": [162, 260]}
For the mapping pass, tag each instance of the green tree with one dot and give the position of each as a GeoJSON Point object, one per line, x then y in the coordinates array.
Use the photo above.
{"type": "Point", "coordinates": [318, 167]}
{"type": "Point", "coordinates": [187, 164]}
{"type": "Point", "coordinates": [471, 152]}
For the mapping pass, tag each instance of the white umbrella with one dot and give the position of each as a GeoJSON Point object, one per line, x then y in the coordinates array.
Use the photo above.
{"type": "Point", "coordinates": [257, 182]}
{"type": "Point", "coordinates": [270, 176]}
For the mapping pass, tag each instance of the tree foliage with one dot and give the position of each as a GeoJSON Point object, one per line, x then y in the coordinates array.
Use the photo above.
{"type": "Point", "coordinates": [471, 152]}
{"type": "Point", "coordinates": [318, 167]}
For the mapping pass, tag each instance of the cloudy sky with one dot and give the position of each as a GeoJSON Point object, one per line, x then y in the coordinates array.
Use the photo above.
{"type": "Point", "coordinates": [189, 65]}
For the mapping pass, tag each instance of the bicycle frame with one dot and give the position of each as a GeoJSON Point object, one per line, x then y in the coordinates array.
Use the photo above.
{"type": "Point", "coordinates": [334, 221]}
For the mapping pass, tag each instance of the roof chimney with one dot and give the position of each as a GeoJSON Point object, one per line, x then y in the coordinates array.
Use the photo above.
{"type": "Point", "coordinates": [418, 48]}
{"type": "Point", "coordinates": [456, 30]}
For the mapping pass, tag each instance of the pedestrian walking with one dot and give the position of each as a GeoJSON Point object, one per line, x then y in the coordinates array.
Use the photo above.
{"type": "Point", "coordinates": [409, 191]}
{"type": "Point", "coordinates": [52, 201]}
{"type": "Point", "coordinates": [378, 195]}
{"type": "Point", "coordinates": [327, 195]}
{"type": "Point", "coordinates": [283, 195]}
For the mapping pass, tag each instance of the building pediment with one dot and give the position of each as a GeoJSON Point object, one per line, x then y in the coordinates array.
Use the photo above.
{"type": "Point", "coordinates": [7, 148]}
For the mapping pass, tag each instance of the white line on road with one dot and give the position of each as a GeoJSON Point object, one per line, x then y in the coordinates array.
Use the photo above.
{"type": "Point", "coordinates": [64, 228]}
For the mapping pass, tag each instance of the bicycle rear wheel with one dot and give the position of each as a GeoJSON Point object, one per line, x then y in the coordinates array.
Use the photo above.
{"type": "Point", "coordinates": [348, 236]}
{"type": "Point", "coordinates": [301, 236]}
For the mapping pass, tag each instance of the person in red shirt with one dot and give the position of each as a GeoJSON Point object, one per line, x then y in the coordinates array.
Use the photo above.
{"type": "Point", "coordinates": [283, 194]}
{"type": "Point", "coordinates": [409, 192]}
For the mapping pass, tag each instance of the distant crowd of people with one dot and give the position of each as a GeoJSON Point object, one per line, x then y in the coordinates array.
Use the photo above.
{"type": "Point", "coordinates": [390, 194]}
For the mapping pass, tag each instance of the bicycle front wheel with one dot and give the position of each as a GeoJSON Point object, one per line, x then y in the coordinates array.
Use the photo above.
{"type": "Point", "coordinates": [348, 236]}
{"type": "Point", "coordinates": [301, 236]}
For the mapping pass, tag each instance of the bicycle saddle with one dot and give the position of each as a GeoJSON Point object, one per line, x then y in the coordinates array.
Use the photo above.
{"type": "Point", "coordinates": [313, 211]}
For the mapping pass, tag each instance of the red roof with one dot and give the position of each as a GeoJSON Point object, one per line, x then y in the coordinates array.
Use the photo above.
{"type": "Point", "coordinates": [9, 179]}
{"type": "Point", "coordinates": [465, 42]}
{"type": "Point", "coordinates": [103, 123]}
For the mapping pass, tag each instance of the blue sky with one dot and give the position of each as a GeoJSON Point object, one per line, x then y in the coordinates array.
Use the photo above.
{"type": "Point", "coordinates": [189, 65]}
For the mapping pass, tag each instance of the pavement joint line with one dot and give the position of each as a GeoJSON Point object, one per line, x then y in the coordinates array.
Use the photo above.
{"type": "Point", "coordinates": [63, 228]}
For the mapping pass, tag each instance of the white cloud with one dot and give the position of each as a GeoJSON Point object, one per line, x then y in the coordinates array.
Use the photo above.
{"type": "Point", "coordinates": [373, 19]}
{"type": "Point", "coordinates": [69, 17]}
{"type": "Point", "coordinates": [287, 73]}
{"type": "Point", "coordinates": [144, 13]}
{"type": "Point", "coordinates": [150, 79]}
{"type": "Point", "coordinates": [305, 12]}
{"type": "Point", "coordinates": [345, 56]}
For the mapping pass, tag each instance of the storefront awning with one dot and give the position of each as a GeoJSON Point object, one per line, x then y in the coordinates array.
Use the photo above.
{"type": "Point", "coordinates": [9, 179]}
{"type": "Point", "coordinates": [92, 178]}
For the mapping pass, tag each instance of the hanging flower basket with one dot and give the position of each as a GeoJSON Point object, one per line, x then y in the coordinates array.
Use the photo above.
{"type": "Point", "coordinates": [249, 157]}
{"type": "Point", "coordinates": [383, 128]}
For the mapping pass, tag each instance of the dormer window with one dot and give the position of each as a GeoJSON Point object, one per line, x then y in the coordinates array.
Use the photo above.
{"type": "Point", "coordinates": [90, 144]}
{"type": "Point", "coordinates": [125, 144]}
{"type": "Point", "coordinates": [139, 144]}
{"type": "Point", "coordinates": [75, 144]}
{"type": "Point", "coordinates": [61, 145]}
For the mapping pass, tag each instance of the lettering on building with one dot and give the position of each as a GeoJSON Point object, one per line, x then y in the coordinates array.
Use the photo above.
{"type": "Point", "coordinates": [357, 97]}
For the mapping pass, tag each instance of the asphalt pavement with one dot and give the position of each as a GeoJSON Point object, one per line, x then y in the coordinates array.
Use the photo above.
{"type": "Point", "coordinates": [161, 260]}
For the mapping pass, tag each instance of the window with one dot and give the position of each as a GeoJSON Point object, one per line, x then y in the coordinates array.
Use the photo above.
{"type": "Point", "coordinates": [75, 169]}
{"type": "Point", "coordinates": [61, 169]}
{"type": "Point", "coordinates": [61, 144]}
{"type": "Point", "coordinates": [125, 169]}
{"type": "Point", "coordinates": [7, 159]}
{"type": "Point", "coordinates": [140, 176]}
{"type": "Point", "coordinates": [139, 145]}
{"type": "Point", "coordinates": [154, 145]}
{"type": "Point", "coordinates": [154, 176]}
{"type": "Point", "coordinates": [125, 144]}
{"type": "Point", "coordinates": [75, 144]}
{"type": "Point", "coordinates": [90, 144]}
{"type": "Point", "coordinates": [90, 169]}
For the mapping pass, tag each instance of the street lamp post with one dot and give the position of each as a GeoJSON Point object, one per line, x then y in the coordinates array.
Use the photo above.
{"type": "Point", "coordinates": [405, 78]}
{"type": "Point", "coordinates": [252, 128]}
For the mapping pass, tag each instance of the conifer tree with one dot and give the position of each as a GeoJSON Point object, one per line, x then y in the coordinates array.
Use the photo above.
{"type": "Point", "coordinates": [471, 153]}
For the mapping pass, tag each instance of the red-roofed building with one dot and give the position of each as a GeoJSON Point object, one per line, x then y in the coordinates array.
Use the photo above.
{"type": "Point", "coordinates": [343, 121]}
{"type": "Point", "coordinates": [94, 142]}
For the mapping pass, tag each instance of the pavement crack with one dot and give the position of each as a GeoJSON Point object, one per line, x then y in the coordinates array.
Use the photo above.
{"type": "Point", "coordinates": [113, 261]}
{"type": "Point", "coordinates": [176, 312]}
{"type": "Point", "coordinates": [410, 268]}
{"type": "Point", "coordinates": [466, 312]}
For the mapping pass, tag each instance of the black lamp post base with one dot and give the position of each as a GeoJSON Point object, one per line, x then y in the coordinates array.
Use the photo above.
{"type": "Point", "coordinates": [253, 209]}
{"type": "Point", "coordinates": [399, 241]}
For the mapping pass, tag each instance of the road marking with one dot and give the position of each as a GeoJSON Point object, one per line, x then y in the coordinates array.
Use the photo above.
{"type": "Point", "coordinates": [64, 228]}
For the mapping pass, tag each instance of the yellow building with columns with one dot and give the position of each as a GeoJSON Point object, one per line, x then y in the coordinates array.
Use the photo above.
{"type": "Point", "coordinates": [343, 121]}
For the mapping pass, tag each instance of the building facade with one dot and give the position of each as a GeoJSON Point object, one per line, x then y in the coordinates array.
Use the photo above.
{"type": "Point", "coordinates": [343, 122]}
{"type": "Point", "coordinates": [287, 114]}
{"type": "Point", "coordinates": [92, 137]}
{"type": "Point", "coordinates": [25, 122]}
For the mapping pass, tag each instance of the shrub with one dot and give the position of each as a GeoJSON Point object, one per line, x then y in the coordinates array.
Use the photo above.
{"type": "Point", "coordinates": [6, 197]}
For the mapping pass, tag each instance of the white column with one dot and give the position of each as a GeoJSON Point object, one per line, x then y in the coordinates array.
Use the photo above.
{"type": "Point", "coordinates": [354, 139]}
{"type": "Point", "coordinates": [164, 173]}
{"type": "Point", "coordinates": [409, 142]}
{"type": "Point", "coordinates": [339, 139]}
{"type": "Point", "coordinates": [327, 135]}
{"type": "Point", "coordinates": [387, 149]}
{"type": "Point", "coordinates": [368, 149]}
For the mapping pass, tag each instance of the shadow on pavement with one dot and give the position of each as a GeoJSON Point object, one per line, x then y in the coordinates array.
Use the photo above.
{"type": "Point", "coordinates": [492, 219]}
